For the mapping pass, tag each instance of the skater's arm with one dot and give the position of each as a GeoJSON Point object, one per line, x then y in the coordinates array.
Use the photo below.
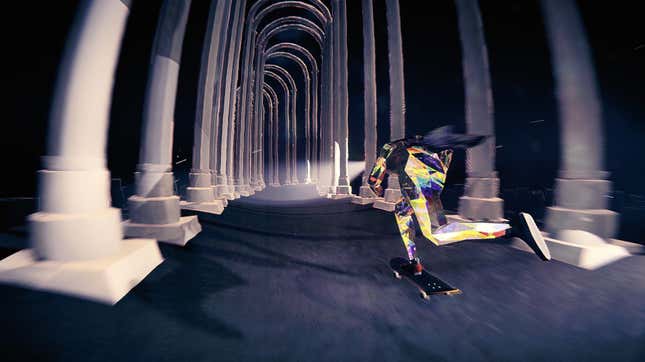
{"type": "Point", "coordinates": [376, 176]}
{"type": "Point", "coordinates": [446, 157]}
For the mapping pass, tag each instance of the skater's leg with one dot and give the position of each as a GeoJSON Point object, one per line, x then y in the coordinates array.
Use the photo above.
{"type": "Point", "coordinates": [524, 228]}
{"type": "Point", "coordinates": [420, 207]}
{"type": "Point", "coordinates": [437, 214]}
{"type": "Point", "coordinates": [403, 213]}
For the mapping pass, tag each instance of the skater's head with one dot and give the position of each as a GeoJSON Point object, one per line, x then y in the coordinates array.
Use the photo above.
{"type": "Point", "coordinates": [443, 138]}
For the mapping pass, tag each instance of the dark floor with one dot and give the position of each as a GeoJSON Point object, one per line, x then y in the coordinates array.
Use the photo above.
{"type": "Point", "coordinates": [310, 282]}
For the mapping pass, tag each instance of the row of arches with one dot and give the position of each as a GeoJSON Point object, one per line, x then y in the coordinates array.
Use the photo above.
{"type": "Point", "coordinates": [238, 117]}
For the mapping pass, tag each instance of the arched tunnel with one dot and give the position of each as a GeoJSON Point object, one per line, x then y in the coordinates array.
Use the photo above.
{"type": "Point", "coordinates": [232, 180]}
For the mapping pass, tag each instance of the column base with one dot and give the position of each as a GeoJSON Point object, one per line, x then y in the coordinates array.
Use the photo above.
{"type": "Point", "coordinates": [384, 205]}
{"type": "Point", "coordinates": [481, 209]}
{"type": "Point", "coordinates": [105, 280]}
{"type": "Point", "coordinates": [603, 223]}
{"type": "Point", "coordinates": [244, 190]}
{"type": "Point", "coordinates": [178, 233]}
{"type": "Point", "coordinates": [579, 248]}
{"type": "Point", "coordinates": [391, 197]}
{"type": "Point", "coordinates": [340, 196]}
{"type": "Point", "coordinates": [213, 207]}
{"type": "Point", "coordinates": [154, 210]}
{"type": "Point", "coordinates": [221, 192]}
{"type": "Point", "coordinates": [77, 236]}
{"type": "Point", "coordinates": [365, 196]}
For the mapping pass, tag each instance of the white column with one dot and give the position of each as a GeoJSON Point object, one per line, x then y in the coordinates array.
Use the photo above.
{"type": "Point", "coordinates": [199, 193]}
{"type": "Point", "coordinates": [76, 236]}
{"type": "Point", "coordinates": [481, 197]}
{"type": "Point", "coordinates": [343, 188]}
{"type": "Point", "coordinates": [582, 186]}
{"type": "Point", "coordinates": [232, 99]}
{"type": "Point", "coordinates": [220, 127]}
{"type": "Point", "coordinates": [366, 195]}
{"type": "Point", "coordinates": [397, 96]}
{"type": "Point", "coordinates": [154, 209]}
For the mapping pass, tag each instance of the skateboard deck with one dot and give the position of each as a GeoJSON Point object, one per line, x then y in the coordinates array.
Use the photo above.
{"type": "Point", "coordinates": [427, 283]}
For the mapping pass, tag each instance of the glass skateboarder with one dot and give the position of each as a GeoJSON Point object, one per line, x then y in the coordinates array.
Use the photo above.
{"type": "Point", "coordinates": [421, 164]}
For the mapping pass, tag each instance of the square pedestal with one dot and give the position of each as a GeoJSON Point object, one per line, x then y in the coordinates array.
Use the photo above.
{"type": "Point", "coordinates": [340, 196]}
{"type": "Point", "coordinates": [104, 280]}
{"type": "Point", "coordinates": [364, 200]}
{"type": "Point", "coordinates": [384, 205]}
{"type": "Point", "coordinates": [176, 233]}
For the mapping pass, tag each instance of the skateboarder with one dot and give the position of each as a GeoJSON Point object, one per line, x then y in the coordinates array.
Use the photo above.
{"type": "Point", "coordinates": [421, 164]}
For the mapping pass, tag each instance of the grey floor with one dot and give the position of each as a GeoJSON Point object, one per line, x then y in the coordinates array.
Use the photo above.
{"type": "Point", "coordinates": [310, 282]}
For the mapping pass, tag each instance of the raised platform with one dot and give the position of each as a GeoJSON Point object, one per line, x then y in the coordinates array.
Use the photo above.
{"type": "Point", "coordinates": [104, 280]}
{"type": "Point", "coordinates": [291, 192]}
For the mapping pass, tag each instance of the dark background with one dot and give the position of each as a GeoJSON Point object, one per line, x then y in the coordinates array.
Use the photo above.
{"type": "Point", "coordinates": [519, 59]}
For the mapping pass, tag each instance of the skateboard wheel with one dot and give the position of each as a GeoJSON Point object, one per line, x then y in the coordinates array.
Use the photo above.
{"type": "Point", "coordinates": [424, 295]}
{"type": "Point", "coordinates": [397, 275]}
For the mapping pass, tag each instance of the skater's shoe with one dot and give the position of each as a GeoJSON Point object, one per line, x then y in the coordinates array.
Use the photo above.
{"type": "Point", "coordinates": [525, 229]}
{"type": "Point", "coordinates": [414, 267]}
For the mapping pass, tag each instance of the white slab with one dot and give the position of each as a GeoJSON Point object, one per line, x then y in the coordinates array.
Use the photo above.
{"type": "Point", "coordinates": [215, 207]}
{"type": "Point", "coordinates": [104, 280]}
{"type": "Point", "coordinates": [580, 248]}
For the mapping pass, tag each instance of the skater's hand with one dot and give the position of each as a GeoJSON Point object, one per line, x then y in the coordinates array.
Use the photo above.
{"type": "Point", "coordinates": [378, 190]}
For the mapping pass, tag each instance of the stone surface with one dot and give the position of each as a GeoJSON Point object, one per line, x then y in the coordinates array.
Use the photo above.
{"type": "Point", "coordinates": [177, 233]}
{"type": "Point", "coordinates": [104, 280]}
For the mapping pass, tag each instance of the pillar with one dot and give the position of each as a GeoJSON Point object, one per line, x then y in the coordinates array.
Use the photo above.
{"type": "Point", "coordinates": [582, 185]}
{"type": "Point", "coordinates": [76, 236]}
{"type": "Point", "coordinates": [397, 96]}
{"type": "Point", "coordinates": [366, 195]}
{"type": "Point", "coordinates": [199, 193]}
{"type": "Point", "coordinates": [481, 195]}
{"type": "Point", "coordinates": [154, 209]}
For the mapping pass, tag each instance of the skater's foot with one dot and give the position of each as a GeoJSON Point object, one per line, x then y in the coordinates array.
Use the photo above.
{"type": "Point", "coordinates": [414, 267]}
{"type": "Point", "coordinates": [526, 230]}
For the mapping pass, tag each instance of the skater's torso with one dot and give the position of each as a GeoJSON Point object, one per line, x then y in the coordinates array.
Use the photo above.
{"type": "Point", "coordinates": [418, 168]}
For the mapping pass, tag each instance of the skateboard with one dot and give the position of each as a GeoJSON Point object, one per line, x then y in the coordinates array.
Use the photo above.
{"type": "Point", "coordinates": [427, 283]}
